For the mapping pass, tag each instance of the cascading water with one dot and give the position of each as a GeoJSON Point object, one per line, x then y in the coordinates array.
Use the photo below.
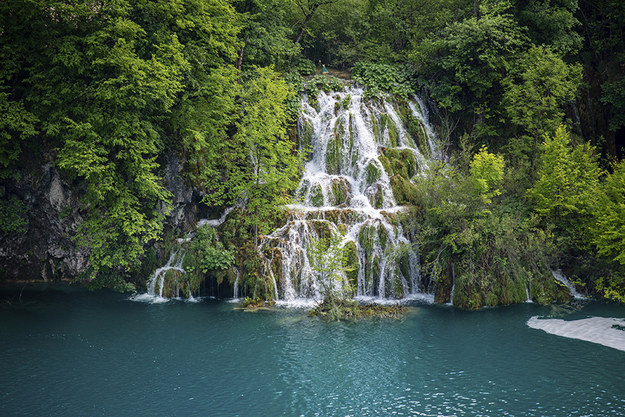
{"type": "Point", "coordinates": [166, 281]}
{"type": "Point", "coordinates": [170, 272]}
{"type": "Point", "coordinates": [360, 153]}
{"type": "Point", "coordinates": [155, 284]}
{"type": "Point", "coordinates": [559, 276]}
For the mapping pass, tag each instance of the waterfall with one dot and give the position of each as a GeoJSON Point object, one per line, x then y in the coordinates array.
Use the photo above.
{"type": "Point", "coordinates": [156, 284]}
{"type": "Point", "coordinates": [236, 283]}
{"type": "Point", "coordinates": [165, 284]}
{"type": "Point", "coordinates": [453, 284]}
{"type": "Point", "coordinates": [559, 276]}
{"type": "Point", "coordinates": [358, 149]}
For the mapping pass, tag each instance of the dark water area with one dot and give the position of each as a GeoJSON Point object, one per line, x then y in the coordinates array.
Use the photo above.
{"type": "Point", "coordinates": [69, 352]}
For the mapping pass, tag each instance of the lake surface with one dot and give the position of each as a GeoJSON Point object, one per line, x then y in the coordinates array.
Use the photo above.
{"type": "Point", "coordinates": [68, 352]}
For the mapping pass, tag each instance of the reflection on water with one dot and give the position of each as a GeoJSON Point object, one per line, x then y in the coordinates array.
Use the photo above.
{"type": "Point", "coordinates": [80, 353]}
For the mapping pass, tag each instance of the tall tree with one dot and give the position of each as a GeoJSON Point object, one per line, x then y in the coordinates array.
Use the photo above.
{"type": "Point", "coordinates": [566, 189]}
{"type": "Point", "coordinates": [266, 34]}
{"type": "Point", "coordinates": [535, 97]}
{"type": "Point", "coordinates": [610, 227]}
{"type": "Point", "coordinates": [308, 9]}
{"type": "Point", "coordinates": [260, 165]}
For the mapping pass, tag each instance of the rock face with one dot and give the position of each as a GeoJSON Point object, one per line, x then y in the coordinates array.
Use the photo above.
{"type": "Point", "coordinates": [186, 208]}
{"type": "Point", "coordinates": [44, 249]}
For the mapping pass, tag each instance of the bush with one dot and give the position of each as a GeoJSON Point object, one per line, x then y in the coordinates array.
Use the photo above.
{"type": "Point", "coordinates": [383, 78]}
{"type": "Point", "coordinates": [305, 67]}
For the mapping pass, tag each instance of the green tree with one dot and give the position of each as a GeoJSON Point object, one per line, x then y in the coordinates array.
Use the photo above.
{"type": "Point", "coordinates": [267, 34]}
{"type": "Point", "coordinates": [608, 236]}
{"type": "Point", "coordinates": [308, 9]}
{"type": "Point", "coordinates": [469, 239]}
{"type": "Point", "coordinates": [260, 165]}
{"type": "Point", "coordinates": [106, 85]}
{"type": "Point", "coordinates": [603, 56]}
{"type": "Point", "coordinates": [468, 64]}
{"type": "Point", "coordinates": [609, 231]}
{"type": "Point", "coordinates": [327, 257]}
{"type": "Point", "coordinates": [486, 171]}
{"type": "Point", "coordinates": [535, 97]}
{"type": "Point", "coordinates": [551, 22]}
{"type": "Point", "coordinates": [205, 255]}
{"type": "Point", "coordinates": [613, 94]}
{"type": "Point", "coordinates": [566, 189]}
{"type": "Point", "coordinates": [17, 126]}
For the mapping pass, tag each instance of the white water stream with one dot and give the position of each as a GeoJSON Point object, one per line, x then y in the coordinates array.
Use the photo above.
{"type": "Point", "coordinates": [560, 277]}
{"type": "Point", "coordinates": [155, 284]}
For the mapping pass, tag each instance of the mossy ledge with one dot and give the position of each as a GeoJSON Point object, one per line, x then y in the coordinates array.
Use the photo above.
{"type": "Point", "coordinates": [339, 309]}
{"type": "Point", "coordinates": [256, 303]}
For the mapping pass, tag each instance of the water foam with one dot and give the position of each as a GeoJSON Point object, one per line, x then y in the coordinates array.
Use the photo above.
{"type": "Point", "coordinates": [606, 331]}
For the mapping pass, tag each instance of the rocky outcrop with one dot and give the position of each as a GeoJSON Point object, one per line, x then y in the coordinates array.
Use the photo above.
{"type": "Point", "coordinates": [44, 249]}
{"type": "Point", "coordinates": [186, 207]}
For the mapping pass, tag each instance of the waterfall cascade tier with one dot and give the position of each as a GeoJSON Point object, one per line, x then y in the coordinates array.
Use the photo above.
{"type": "Point", "coordinates": [362, 155]}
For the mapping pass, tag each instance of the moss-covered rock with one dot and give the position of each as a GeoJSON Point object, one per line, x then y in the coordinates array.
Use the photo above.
{"type": "Point", "coordinates": [366, 238]}
{"type": "Point", "coordinates": [352, 264]}
{"type": "Point", "coordinates": [316, 196]}
{"type": "Point", "coordinates": [378, 198]}
{"type": "Point", "coordinates": [399, 162]}
{"type": "Point", "coordinates": [505, 291]}
{"type": "Point", "coordinates": [333, 155]}
{"type": "Point", "coordinates": [375, 273]}
{"type": "Point", "coordinates": [276, 266]}
{"type": "Point", "coordinates": [467, 294]}
{"type": "Point", "coordinates": [171, 283]}
{"type": "Point", "coordinates": [386, 165]}
{"type": "Point", "coordinates": [387, 125]}
{"type": "Point", "coordinates": [404, 264]}
{"type": "Point", "coordinates": [377, 131]}
{"type": "Point", "coordinates": [419, 135]}
{"type": "Point", "coordinates": [414, 127]}
{"type": "Point", "coordinates": [341, 189]}
{"type": "Point", "coordinates": [321, 227]}
{"type": "Point", "coordinates": [372, 173]}
{"type": "Point", "coordinates": [305, 139]}
{"type": "Point", "coordinates": [404, 191]}
{"type": "Point", "coordinates": [382, 236]}
{"type": "Point", "coordinates": [546, 290]}
{"type": "Point", "coordinates": [396, 289]}
{"type": "Point", "coordinates": [444, 284]}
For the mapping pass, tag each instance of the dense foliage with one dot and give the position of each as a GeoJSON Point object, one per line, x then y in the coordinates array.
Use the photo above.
{"type": "Point", "coordinates": [530, 93]}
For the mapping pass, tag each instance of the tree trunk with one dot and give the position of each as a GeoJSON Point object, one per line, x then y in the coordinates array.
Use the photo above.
{"type": "Point", "coordinates": [239, 62]}
{"type": "Point", "coordinates": [304, 24]}
{"type": "Point", "coordinates": [535, 151]}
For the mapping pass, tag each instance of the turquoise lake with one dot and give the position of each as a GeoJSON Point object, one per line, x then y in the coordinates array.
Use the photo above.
{"type": "Point", "coordinates": [68, 352]}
